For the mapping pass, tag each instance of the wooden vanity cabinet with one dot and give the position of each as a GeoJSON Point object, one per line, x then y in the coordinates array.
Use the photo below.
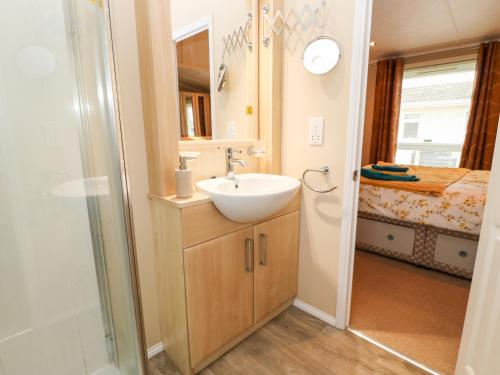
{"type": "Point", "coordinates": [276, 263]}
{"type": "Point", "coordinates": [219, 281]}
{"type": "Point", "coordinates": [219, 292]}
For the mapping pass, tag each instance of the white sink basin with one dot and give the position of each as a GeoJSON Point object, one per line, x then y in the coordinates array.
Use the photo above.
{"type": "Point", "coordinates": [257, 196]}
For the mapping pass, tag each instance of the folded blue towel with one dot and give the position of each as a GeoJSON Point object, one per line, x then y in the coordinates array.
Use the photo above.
{"type": "Point", "coordinates": [389, 168]}
{"type": "Point", "coordinates": [375, 175]}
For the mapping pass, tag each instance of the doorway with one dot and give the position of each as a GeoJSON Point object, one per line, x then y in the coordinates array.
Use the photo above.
{"type": "Point", "coordinates": [401, 296]}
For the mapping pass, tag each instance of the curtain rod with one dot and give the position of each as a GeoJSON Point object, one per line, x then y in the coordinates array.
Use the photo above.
{"type": "Point", "coordinates": [471, 47]}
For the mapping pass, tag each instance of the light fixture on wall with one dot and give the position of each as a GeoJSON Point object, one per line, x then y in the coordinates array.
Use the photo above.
{"type": "Point", "coordinates": [322, 53]}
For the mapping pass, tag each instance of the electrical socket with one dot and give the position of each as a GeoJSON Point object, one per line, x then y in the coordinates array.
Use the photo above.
{"type": "Point", "coordinates": [316, 130]}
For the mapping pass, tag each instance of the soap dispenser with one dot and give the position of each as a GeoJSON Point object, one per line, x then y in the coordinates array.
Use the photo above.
{"type": "Point", "coordinates": [184, 176]}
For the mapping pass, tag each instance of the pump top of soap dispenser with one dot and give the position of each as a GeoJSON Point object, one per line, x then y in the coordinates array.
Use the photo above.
{"type": "Point", "coordinates": [185, 156]}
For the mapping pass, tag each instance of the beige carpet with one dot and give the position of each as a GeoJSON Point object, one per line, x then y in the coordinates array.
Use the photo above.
{"type": "Point", "coordinates": [415, 311]}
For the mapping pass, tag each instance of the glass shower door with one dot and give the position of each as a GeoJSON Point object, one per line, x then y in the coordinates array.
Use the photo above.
{"type": "Point", "coordinates": [67, 286]}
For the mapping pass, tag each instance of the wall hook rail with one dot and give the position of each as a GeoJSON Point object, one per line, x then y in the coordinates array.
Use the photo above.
{"type": "Point", "coordinates": [324, 170]}
{"type": "Point", "coordinates": [306, 18]}
{"type": "Point", "coordinates": [237, 38]}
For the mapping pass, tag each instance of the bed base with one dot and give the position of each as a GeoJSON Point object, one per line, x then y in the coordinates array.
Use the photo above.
{"type": "Point", "coordinates": [430, 247]}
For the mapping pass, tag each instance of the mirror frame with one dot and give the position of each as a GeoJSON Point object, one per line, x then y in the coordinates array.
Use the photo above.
{"type": "Point", "coordinates": [205, 23]}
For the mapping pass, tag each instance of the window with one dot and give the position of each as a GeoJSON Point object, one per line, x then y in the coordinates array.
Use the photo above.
{"type": "Point", "coordinates": [410, 129]}
{"type": "Point", "coordinates": [190, 117]}
{"type": "Point", "coordinates": [435, 106]}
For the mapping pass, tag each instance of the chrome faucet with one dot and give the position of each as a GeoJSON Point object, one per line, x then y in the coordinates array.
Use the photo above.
{"type": "Point", "coordinates": [230, 162]}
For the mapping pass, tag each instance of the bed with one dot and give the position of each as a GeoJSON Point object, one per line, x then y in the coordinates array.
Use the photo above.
{"type": "Point", "coordinates": [438, 231]}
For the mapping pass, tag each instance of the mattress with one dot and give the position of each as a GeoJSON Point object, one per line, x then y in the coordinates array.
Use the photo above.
{"type": "Point", "coordinates": [460, 207]}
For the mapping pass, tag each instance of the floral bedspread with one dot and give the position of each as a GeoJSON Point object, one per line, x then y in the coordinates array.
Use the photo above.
{"type": "Point", "coordinates": [459, 208]}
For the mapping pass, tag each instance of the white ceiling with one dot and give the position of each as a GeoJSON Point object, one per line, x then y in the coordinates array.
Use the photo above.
{"type": "Point", "coordinates": [413, 26]}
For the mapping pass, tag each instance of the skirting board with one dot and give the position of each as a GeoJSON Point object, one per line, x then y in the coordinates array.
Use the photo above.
{"type": "Point", "coordinates": [155, 349]}
{"type": "Point", "coordinates": [321, 315]}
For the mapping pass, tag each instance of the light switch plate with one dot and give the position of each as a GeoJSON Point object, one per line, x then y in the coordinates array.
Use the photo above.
{"type": "Point", "coordinates": [316, 130]}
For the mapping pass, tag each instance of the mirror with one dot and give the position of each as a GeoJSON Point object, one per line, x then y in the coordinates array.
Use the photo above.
{"type": "Point", "coordinates": [321, 55]}
{"type": "Point", "coordinates": [216, 69]}
{"type": "Point", "coordinates": [193, 74]}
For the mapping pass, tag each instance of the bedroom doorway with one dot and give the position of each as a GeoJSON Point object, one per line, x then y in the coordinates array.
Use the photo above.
{"type": "Point", "coordinates": [424, 177]}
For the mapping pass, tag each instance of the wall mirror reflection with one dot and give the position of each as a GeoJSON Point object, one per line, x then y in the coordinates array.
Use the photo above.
{"type": "Point", "coordinates": [193, 71]}
{"type": "Point", "coordinates": [215, 38]}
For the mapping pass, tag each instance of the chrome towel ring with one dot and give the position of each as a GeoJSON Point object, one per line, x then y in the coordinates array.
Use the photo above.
{"type": "Point", "coordinates": [325, 169]}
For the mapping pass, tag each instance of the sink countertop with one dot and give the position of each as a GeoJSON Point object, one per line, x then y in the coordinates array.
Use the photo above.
{"type": "Point", "coordinates": [174, 201]}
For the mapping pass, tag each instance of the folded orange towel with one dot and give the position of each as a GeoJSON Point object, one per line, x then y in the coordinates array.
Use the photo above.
{"type": "Point", "coordinates": [433, 180]}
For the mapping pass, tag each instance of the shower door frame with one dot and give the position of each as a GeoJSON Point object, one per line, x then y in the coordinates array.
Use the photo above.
{"type": "Point", "coordinates": [128, 214]}
{"type": "Point", "coordinates": [88, 169]}
{"type": "Point", "coordinates": [92, 203]}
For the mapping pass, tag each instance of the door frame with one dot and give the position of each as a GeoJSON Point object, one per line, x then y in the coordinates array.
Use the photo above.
{"type": "Point", "coordinates": [483, 282]}
{"type": "Point", "coordinates": [354, 142]}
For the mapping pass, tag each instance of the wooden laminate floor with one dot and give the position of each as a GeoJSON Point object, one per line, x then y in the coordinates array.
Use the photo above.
{"type": "Point", "coordinates": [297, 343]}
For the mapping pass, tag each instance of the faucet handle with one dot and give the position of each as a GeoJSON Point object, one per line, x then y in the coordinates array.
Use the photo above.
{"type": "Point", "coordinates": [230, 151]}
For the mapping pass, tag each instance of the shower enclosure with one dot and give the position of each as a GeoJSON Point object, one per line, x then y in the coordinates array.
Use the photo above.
{"type": "Point", "coordinates": [68, 295]}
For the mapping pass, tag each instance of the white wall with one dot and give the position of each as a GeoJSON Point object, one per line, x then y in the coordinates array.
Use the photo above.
{"type": "Point", "coordinates": [305, 96]}
{"type": "Point", "coordinates": [212, 159]}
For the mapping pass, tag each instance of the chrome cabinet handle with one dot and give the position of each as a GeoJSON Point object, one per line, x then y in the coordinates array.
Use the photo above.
{"type": "Point", "coordinates": [249, 255]}
{"type": "Point", "coordinates": [263, 249]}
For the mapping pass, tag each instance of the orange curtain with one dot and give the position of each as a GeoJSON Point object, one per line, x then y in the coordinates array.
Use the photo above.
{"type": "Point", "coordinates": [386, 110]}
{"type": "Point", "coordinates": [479, 143]}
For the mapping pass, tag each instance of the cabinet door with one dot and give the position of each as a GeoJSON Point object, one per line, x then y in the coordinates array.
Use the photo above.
{"type": "Point", "coordinates": [219, 292]}
{"type": "Point", "coordinates": [276, 263]}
